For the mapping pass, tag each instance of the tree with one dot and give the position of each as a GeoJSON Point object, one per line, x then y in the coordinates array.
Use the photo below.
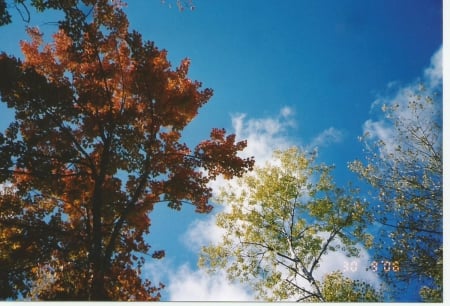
{"type": "Point", "coordinates": [405, 168]}
{"type": "Point", "coordinates": [95, 145]}
{"type": "Point", "coordinates": [280, 224]}
{"type": "Point", "coordinates": [338, 288]}
{"type": "Point", "coordinates": [69, 7]}
{"type": "Point", "coordinates": [5, 17]}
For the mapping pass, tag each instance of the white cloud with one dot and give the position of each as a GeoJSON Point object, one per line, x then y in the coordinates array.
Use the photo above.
{"type": "Point", "coordinates": [326, 138]}
{"type": "Point", "coordinates": [201, 233]}
{"type": "Point", "coordinates": [286, 111]}
{"type": "Point", "coordinates": [185, 284]}
{"type": "Point", "coordinates": [383, 129]}
{"type": "Point", "coordinates": [352, 267]}
{"type": "Point", "coordinates": [157, 270]}
{"type": "Point", "coordinates": [188, 285]}
{"type": "Point", "coordinates": [264, 135]}
{"type": "Point", "coordinates": [433, 73]}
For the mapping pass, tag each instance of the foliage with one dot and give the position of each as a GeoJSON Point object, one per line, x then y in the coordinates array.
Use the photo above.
{"type": "Point", "coordinates": [95, 145]}
{"type": "Point", "coordinates": [279, 225]}
{"type": "Point", "coordinates": [71, 8]}
{"type": "Point", "coordinates": [5, 16]}
{"type": "Point", "coordinates": [406, 170]}
{"type": "Point", "coordinates": [338, 288]}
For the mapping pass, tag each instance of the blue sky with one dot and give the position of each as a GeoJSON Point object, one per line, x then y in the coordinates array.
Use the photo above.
{"type": "Point", "coordinates": [290, 72]}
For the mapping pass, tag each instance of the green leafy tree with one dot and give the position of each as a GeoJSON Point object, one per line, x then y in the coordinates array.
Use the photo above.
{"type": "Point", "coordinates": [95, 144]}
{"type": "Point", "coordinates": [280, 224]}
{"type": "Point", "coordinates": [338, 288]}
{"type": "Point", "coordinates": [405, 168]}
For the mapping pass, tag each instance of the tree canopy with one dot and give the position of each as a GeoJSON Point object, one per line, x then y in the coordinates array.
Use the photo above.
{"type": "Point", "coordinates": [405, 169]}
{"type": "Point", "coordinates": [94, 146]}
{"type": "Point", "coordinates": [280, 224]}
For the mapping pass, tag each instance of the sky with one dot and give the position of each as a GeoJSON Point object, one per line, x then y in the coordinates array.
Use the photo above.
{"type": "Point", "coordinates": [284, 73]}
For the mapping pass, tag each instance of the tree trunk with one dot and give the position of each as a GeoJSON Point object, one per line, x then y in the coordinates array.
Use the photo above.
{"type": "Point", "coordinates": [98, 292]}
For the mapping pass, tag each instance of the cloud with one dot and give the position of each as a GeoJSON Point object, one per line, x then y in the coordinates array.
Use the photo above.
{"type": "Point", "coordinates": [197, 285]}
{"type": "Point", "coordinates": [354, 267]}
{"type": "Point", "coordinates": [158, 271]}
{"type": "Point", "coordinates": [326, 138]}
{"type": "Point", "coordinates": [201, 233]}
{"type": "Point", "coordinates": [186, 284]}
{"type": "Point", "coordinates": [433, 74]}
{"type": "Point", "coordinates": [384, 129]}
{"type": "Point", "coordinates": [264, 135]}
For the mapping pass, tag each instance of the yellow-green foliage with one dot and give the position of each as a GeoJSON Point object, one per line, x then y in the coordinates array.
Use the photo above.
{"type": "Point", "coordinates": [280, 222]}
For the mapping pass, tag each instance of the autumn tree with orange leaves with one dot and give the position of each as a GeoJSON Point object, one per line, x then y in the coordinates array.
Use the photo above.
{"type": "Point", "coordinates": [94, 146]}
